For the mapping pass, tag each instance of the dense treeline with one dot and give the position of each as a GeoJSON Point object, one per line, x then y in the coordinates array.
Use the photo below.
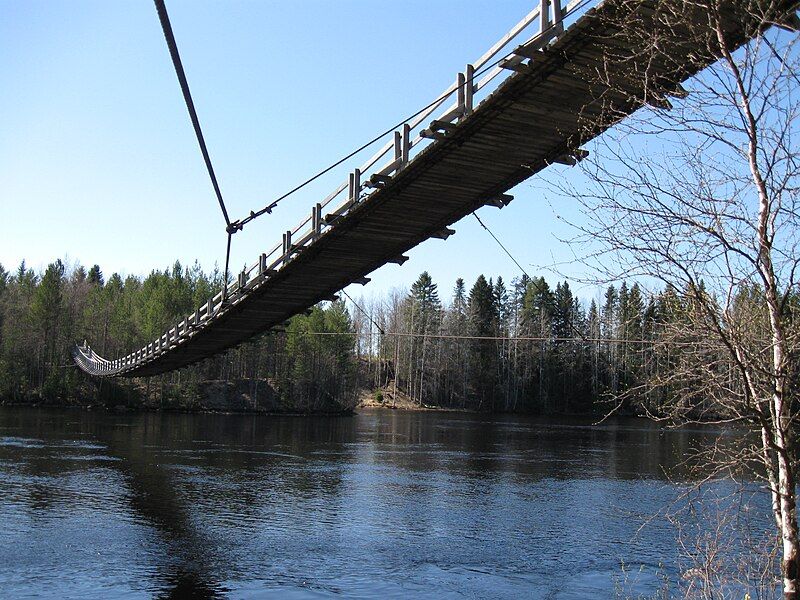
{"type": "Point", "coordinates": [525, 347]}
{"type": "Point", "coordinates": [533, 348]}
{"type": "Point", "coordinates": [43, 315]}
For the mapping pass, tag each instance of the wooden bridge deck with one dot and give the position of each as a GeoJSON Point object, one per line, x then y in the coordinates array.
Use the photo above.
{"type": "Point", "coordinates": [537, 116]}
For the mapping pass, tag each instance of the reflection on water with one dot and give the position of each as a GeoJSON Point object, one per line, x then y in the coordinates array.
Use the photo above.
{"type": "Point", "coordinates": [384, 504]}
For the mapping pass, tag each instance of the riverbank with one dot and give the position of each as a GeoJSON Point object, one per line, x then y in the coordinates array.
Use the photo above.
{"type": "Point", "coordinates": [388, 398]}
{"type": "Point", "coordinates": [242, 396]}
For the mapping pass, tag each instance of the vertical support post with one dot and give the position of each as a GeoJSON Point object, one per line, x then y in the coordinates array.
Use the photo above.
{"type": "Point", "coordinates": [262, 264]}
{"type": "Point", "coordinates": [558, 16]}
{"type": "Point", "coordinates": [210, 307]}
{"type": "Point", "coordinates": [544, 15]}
{"type": "Point", "coordinates": [406, 143]}
{"type": "Point", "coordinates": [287, 245]}
{"type": "Point", "coordinates": [460, 87]}
{"type": "Point", "coordinates": [398, 147]}
{"type": "Point", "coordinates": [316, 221]}
{"type": "Point", "coordinates": [350, 187]}
{"type": "Point", "coordinates": [354, 186]}
{"type": "Point", "coordinates": [469, 89]}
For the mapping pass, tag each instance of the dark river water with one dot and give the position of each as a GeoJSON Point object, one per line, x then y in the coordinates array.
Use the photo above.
{"type": "Point", "coordinates": [383, 504]}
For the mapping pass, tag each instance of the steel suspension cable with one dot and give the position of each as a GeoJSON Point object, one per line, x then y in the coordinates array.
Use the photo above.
{"type": "Point", "coordinates": [521, 338]}
{"type": "Point", "coordinates": [499, 243]}
{"type": "Point", "coordinates": [364, 312]}
{"type": "Point", "coordinates": [187, 96]}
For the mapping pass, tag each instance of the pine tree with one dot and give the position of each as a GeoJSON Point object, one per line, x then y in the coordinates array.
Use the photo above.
{"type": "Point", "coordinates": [424, 295]}
{"type": "Point", "coordinates": [46, 312]}
{"type": "Point", "coordinates": [95, 276]}
{"type": "Point", "coordinates": [537, 307]}
{"type": "Point", "coordinates": [502, 306]}
{"type": "Point", "coordinates": [481, 324]}
{"type": "Point", "coordinates": [563, 312]}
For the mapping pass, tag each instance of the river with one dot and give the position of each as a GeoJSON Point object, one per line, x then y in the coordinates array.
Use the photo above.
{"type": "Point", "coordinates": [383, 504]}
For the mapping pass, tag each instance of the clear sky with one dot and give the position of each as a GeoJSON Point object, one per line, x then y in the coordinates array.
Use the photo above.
{"type": "Point", "coordinates": [98, 160]}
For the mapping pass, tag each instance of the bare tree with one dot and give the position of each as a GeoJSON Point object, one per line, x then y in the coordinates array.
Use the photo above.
{"type": "Point", "coordinates": [700, 190]}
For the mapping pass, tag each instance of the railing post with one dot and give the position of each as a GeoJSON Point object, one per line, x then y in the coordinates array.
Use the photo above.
{"type": "Point", "coordinates": [469, 89]}
{"type": "Point", "coordinates": [316, 220]}
{"type": "Point", "coordinates": [262, 264]}
{"type": "Point", "coordinates": [558, 16]}
{"type": "Point", "coordinates": [460, 89]}
{"type": "Point", "coordinates": [544, 15]}
{"type": "Point", "coordinates": [350, 186]}
{"type": "Point", "coordinates": [210, 307]}
{"type": "Point", "coordinates": [287, 245]}
{"type": "Point", "coordinates": [354, 186]}
{"type": "Point", "coordinates": [406, 150]}
{"type": "Point", "coordinates": [398, 147]}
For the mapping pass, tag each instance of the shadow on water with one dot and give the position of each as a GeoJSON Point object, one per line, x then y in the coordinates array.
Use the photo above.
{"type": "Point", "coordinates": [191, 570]}
{"type": "Point", "coordinates": [182, 475]}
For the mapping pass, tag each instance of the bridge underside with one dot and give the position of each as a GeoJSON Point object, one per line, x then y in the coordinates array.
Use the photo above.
{"type": "Point", "coordinates": [539, 115]}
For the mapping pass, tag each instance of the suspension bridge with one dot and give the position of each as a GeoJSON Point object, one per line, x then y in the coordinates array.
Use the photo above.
{"type": "Point", "coordinates": [546, 87]}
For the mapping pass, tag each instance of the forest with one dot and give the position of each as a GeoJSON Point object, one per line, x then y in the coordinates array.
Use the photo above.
{"type": "Point", "coordinates": [522, 346]}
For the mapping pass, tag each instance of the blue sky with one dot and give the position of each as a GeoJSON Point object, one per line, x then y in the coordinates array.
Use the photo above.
{"type": "Point", "coordinates": [98, 160]}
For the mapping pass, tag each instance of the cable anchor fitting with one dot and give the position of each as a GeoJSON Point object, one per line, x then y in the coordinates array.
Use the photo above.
{"type": "Point", "coordinates": [234, 227]}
